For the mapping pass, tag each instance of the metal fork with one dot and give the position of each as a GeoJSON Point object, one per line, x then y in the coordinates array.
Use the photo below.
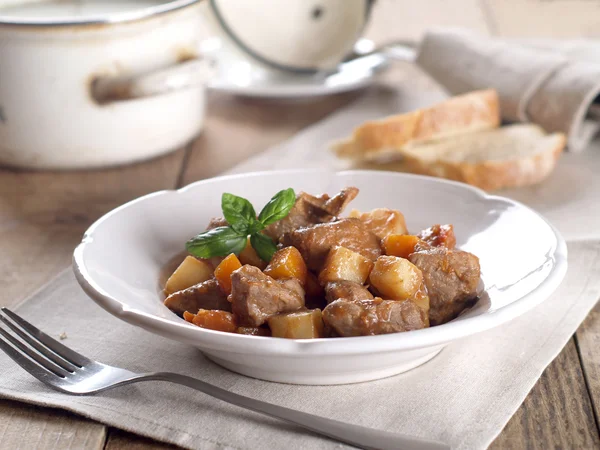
{"type": "Point", "coordinates": [70, 372]}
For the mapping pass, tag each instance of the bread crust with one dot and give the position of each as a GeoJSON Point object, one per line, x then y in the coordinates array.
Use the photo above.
{"type": "Point", "coordinates": [475, 111]}
{"type": "Point", "coordinates": [493, 175]}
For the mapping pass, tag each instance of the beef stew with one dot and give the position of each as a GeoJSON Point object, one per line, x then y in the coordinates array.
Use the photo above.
{"type": "Point", "coordinates": [299, 270]}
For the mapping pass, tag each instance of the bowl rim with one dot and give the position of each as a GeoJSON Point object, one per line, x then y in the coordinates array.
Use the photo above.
{"type": "Point", "coordinates": [416, 339]}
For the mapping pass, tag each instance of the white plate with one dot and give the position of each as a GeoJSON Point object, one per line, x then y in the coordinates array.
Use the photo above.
{"type": "Point", "coordinates": [523, 260]}
{"type": "Point", "coordinates": [240, 76]}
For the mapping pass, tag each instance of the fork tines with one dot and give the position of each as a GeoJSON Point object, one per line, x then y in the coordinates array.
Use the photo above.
{"type": "Point", "coordinates": [34, 350]}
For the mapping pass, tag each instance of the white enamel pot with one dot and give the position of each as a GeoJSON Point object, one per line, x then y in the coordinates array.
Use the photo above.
{"type": "Point", "coordinates": [122, 83]}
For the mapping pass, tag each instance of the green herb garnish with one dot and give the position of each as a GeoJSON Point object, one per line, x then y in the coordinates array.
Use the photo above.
{"type": "Point", "coordinates": [243, 222]}
{"type": "Point", "coordinates": [217, 242]}
{"type": "Point", "coordinates": [264, 246]}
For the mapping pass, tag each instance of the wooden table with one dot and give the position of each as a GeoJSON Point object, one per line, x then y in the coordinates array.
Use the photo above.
{"type": "Point", "coordinates": [43, 215]}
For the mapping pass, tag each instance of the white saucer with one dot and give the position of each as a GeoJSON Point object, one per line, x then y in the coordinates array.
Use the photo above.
{"type": "Point", "coordinates": [240, 76]}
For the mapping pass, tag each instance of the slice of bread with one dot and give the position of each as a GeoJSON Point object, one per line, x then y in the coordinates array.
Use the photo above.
{"type": "Point", "coordinates": [467, 113]}
{"type": "Point", "coordinates": [510, 156]}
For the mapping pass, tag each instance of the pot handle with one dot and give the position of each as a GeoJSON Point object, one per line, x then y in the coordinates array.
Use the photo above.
{"type": "Point", "coordinates": [188, 74]}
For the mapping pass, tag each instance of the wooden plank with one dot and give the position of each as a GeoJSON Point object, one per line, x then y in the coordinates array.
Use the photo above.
{"type": "Point", "coordinates": [237, 128]}
{"type": "Point", "coordinates": [557, 413]}
{"type": "Point", "coordinates": [42, 218]}
{"type": "Point", "coordinates": [588, 342]}
{"type": "Point", "coordinates": [44, 214]}
{"type": "Point", "coordinates": [23, 426]}
{"type": "Point", "coordinates": [121, 440]}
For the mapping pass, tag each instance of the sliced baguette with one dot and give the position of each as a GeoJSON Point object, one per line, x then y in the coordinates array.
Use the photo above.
{"type": "Point", "coordinates": [511, 156]}
{"type": "Point", "coordinates": [467, 113]}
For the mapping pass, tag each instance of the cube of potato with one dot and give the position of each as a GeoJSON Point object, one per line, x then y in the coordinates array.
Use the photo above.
{"type": "Point", "coordinates": [401, 245]}
{"type": "Point", "coordinates": [190, 272]}
{"type": "Point", "coordinates": [215, 320]}
{"type": "Point", "coordinates": [297, 325]}
{"type": "Point", "coordinates": [396, 278]}
{"type": "Point", "coordinates": [287, 263]}
{"type": "Point", "coordinates": [382, 221]}
{"type": "Point", "coordinates": [225, 269]}
{"type": "Point", "coordinates": [249, 256]}
{"type": "Point", "coordinates": [343, 264]}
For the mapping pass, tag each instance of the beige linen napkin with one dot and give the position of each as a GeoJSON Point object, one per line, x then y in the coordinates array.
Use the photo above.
{"type": "Point", "coordinates": [551, 85]}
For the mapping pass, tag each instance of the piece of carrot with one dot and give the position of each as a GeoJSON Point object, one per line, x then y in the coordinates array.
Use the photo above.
{"type": "Point", "coordinates": [215, 320]}
{"type": "Point", "coordinates": [189, 316]}
{"type": "Point", "coordinates": [287, 263]}
{"type": "Point", "coordinates": [224, 270]}
{"type": "Point", "coordinates": [401, 245]}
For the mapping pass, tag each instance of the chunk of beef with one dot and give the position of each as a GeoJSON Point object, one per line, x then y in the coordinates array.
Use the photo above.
{"type": "Point", "coordinates": [451, 278]}
{"type": "Point", "coordinates": [345, 289]}
{"type": "Point", "coordinates": [335, 205]}
{"type": "Point", "coordinates": [310, 210]}
{"type": "Point", "coordinates": [382, 221]}
{"type": "Point", "coordinates": [255, 296]}
{"type": "Point", "coordinates": [216, 222]}
{"type": "Point", "coordinates": [377, 316]}
{"type": "Point", "coordinates": [314, 242]}
{"type": "Point", "coordinates": [439, 236]}
{"type": "Point", "coordinates": [206, 295]}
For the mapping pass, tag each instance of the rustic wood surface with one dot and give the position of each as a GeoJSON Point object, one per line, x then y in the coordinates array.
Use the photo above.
{"type": "Point", "coordinates": [557, 413]}
{"type": "Point", "coordinates": [42, 218]}
{"type": "Point", "coordinates": [588, 345]}
{"type": "Point", "coordinates": [43, 215]}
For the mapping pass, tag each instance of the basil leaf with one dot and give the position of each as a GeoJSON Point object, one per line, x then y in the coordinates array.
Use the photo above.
{"type": "Point", "coordinates": [278, 207]}
{"type": "Point", "coordinates": [264, 246]}
{"type": "Point", "coordinates": [216, 242]}
{"type": "Point", "coordinates": [238, 212]}
{"type": "Point", "coordinates": [255, 227]}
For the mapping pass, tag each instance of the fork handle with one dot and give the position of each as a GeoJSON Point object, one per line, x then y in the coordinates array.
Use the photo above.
{"type": "Point", "coordinates": [364, 437]}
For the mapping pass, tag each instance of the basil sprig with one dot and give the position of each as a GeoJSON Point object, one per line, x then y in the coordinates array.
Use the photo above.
{"type": "Point", "coordinates": [238, 212]}
{"type": "Point", "coordinates": [242, 220]}
{"type": "Point", "coordinates": [216, 242]}
{"type": "Point", "coordinates": [278, 207]}
{"type": "Point", "coordinates": [264, 246]}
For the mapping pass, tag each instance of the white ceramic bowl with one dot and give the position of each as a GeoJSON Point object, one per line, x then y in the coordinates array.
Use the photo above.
{"type": "Point", "coordinates": [523, 260]}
